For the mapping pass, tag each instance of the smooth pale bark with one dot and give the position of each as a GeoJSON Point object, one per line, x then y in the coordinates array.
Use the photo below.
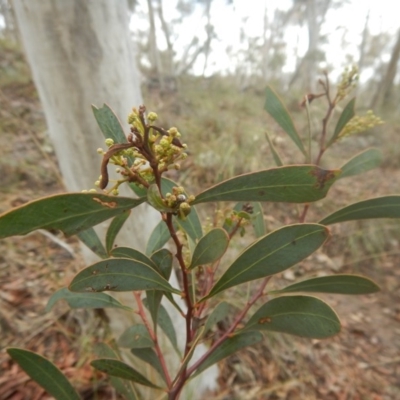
{"type": "Point", "coordinates": [384, 91]}
{"type": "Point", "coordinates": [81, 53]}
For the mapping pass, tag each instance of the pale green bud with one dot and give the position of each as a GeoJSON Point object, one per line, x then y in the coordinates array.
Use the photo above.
{"type": "Point", "coordinates": [109, 142]}
{"type": "Point", "coordinates": [152, 116]}
{"type": "Point", "coordinates": [173, 131]}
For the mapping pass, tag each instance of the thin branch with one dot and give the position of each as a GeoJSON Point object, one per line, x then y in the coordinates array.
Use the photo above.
{"type": "Point", "coordinates": [153, 336]}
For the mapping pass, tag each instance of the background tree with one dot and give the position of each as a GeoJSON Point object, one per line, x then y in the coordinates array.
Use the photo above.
{"type": "Point", "coordinates": [385, 88]}
{"type": "Point", "coordinates": [81, 53]}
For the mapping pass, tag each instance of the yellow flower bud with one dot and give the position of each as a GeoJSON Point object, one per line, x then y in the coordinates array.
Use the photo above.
{"type": "Point", "coordinates": [109, 142]}
{"type": "Point", "coordinates": [152, 116]}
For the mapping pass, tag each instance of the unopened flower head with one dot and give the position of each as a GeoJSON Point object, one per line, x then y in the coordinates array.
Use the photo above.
{"type": "Point", "coordinates": [348, 82]}
{"type": "Point", "coordinates": [109, 142]}
{"type": "Point", "coordinates": [152, 116]}
{"type": "Point", "coordinates": [360, 124]}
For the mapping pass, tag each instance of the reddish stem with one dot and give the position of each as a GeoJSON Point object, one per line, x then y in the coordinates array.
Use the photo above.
{"type": "Point", "coordinates": [258, 294]}
{"type": "Point", "coordinates": [153, 336]}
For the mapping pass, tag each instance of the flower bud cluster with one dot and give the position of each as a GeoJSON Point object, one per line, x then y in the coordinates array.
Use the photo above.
{"type": "Point", "coordinates": [179, 201]}
{"type": "Point", "coordinates": [135, 122]}
{"type": "Point", "coordinates": [168, 150]}
{"type": "Point", "coordinates": [148, 152]}
{"type": "Point", "coordinates": [347, 82]}
{"type": "Point", "coordinates": [360, 124]}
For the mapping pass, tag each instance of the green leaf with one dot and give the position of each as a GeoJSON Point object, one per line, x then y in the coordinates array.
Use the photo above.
{"type": "Point", "coordinates": [84, 300]}
{"type": "Point", "coordinates": [274, 107]}
{"type": "Point", "coordinates": [380, 207]}
{"type": "Point", "coordinates": [119, 275]}
{"type": "Point", "coordinates": [91, 239]}
{"type": "Point", "coordinates": [210, 248]}
{"type": "Point", "coordinates": [229, 347]}
{"type": "Point", "coordinates": [163, 258]}
{"type": "Point", "coordinates": [341, 284]}
{"type": "Point", "coordinates": [155, 200]}
{"type": "Point", "coordinates": [275, 154]}
{"type": "Point", "coordinates": [135, 337]}
{"type": "Point", "coordinates": [272, 253]}
{"type": "Point", "coordinates": [257, 219]}
{"type": "Point", "coordinates": [362, 162]}
{"type": "Point", "coordinates": [121, 386]}
{"type": "Point", "coordinates": [109, 123]}
{"type": "Point", "coordinates": [346, 115]}
{"type": "Point", "coordinates": [220, 312]}
{"type": "Point", "coordinates": [191, 225]}
{"type": "Point", "coordinates": [114, 228]}
{"type": "Point", "coordinates": [45, 373]}
{"type": "Point", "coordinates": [165, 323]}
{"type": "Point", "coordinates": [292, 183]}
{"type": "Point", "coordinates": [158, 238]}
{"type": "Point", "coordinates": [121, 370]}
{"type": "Point", "coordinates": [70, 213]}
{"type": "Point", "coordinates": [297, 315]}
{"type": "Point", "coordinates": [128, 252]}
{"type": "Point", "coordinates": [149, 356]}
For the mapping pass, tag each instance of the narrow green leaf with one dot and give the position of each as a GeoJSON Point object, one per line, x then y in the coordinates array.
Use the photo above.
{"type": "Point", "coordinates": [362, 162]}
{"type": "Point", "coordinates": [128, 252]}
{"type": "Point", "coordinates": [114, 228]}
{"type": "Point", "coordinates": [121, 370]}
{"type": "Point", "coordinates": [70, 213]}
{"type": "Point", "coordinates": [191, 225]}
{"type": "Point", "coordinates": [163, 259]}
{"type": "Point", "coordinates": [257, 219]}
{"type": "Point", "coordinates": [45, 373]}
{"type": "Point", "coordinates": [158, 238]}
{"type": "Point", "coordinates": [274, 107]}
{"type": "Point", "coordinates": [119, 275]}
{"type": "Point", "coordinates": [297, 315]}
{"type": "Point", "coordinates": [165, 323]}
{"type": "Point", "coordinates": [155, 200]}
{"type": "Point", "coordinates": [84, 300]}
{"type": "Point", "coordinates": [380, 207]}
{"type": "Point", "coordinates": [229, 347]}
{"type": "Point", "coordinates": [122, 386]}
{"type": "Point", "coordinates": [340, 284]}
{"type": "Point", "coordinates": [149, 356]}
{"type": "Point", "coordinates": [275, 154]}
{"type": "Point", "coordinates": [135, 337]}
{"type": "Point", "coordinates": [292, 183]}
{"type": "Point", "coordinates": [346, 115]}
{"type": "Point", "coordinates": [220, 312]}
{"type": "Point", "coordinates": [91, 239]}
{"type": "Point", "coordinates": [272, 253]}
{"type": "Point", "coordinates": [210, 248]}
{"type": "Point", "coordinates": [109, 123]}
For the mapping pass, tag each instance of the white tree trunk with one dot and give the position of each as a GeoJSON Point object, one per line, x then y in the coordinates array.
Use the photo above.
{"type": "Point", "coordinates": [81, 53]}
